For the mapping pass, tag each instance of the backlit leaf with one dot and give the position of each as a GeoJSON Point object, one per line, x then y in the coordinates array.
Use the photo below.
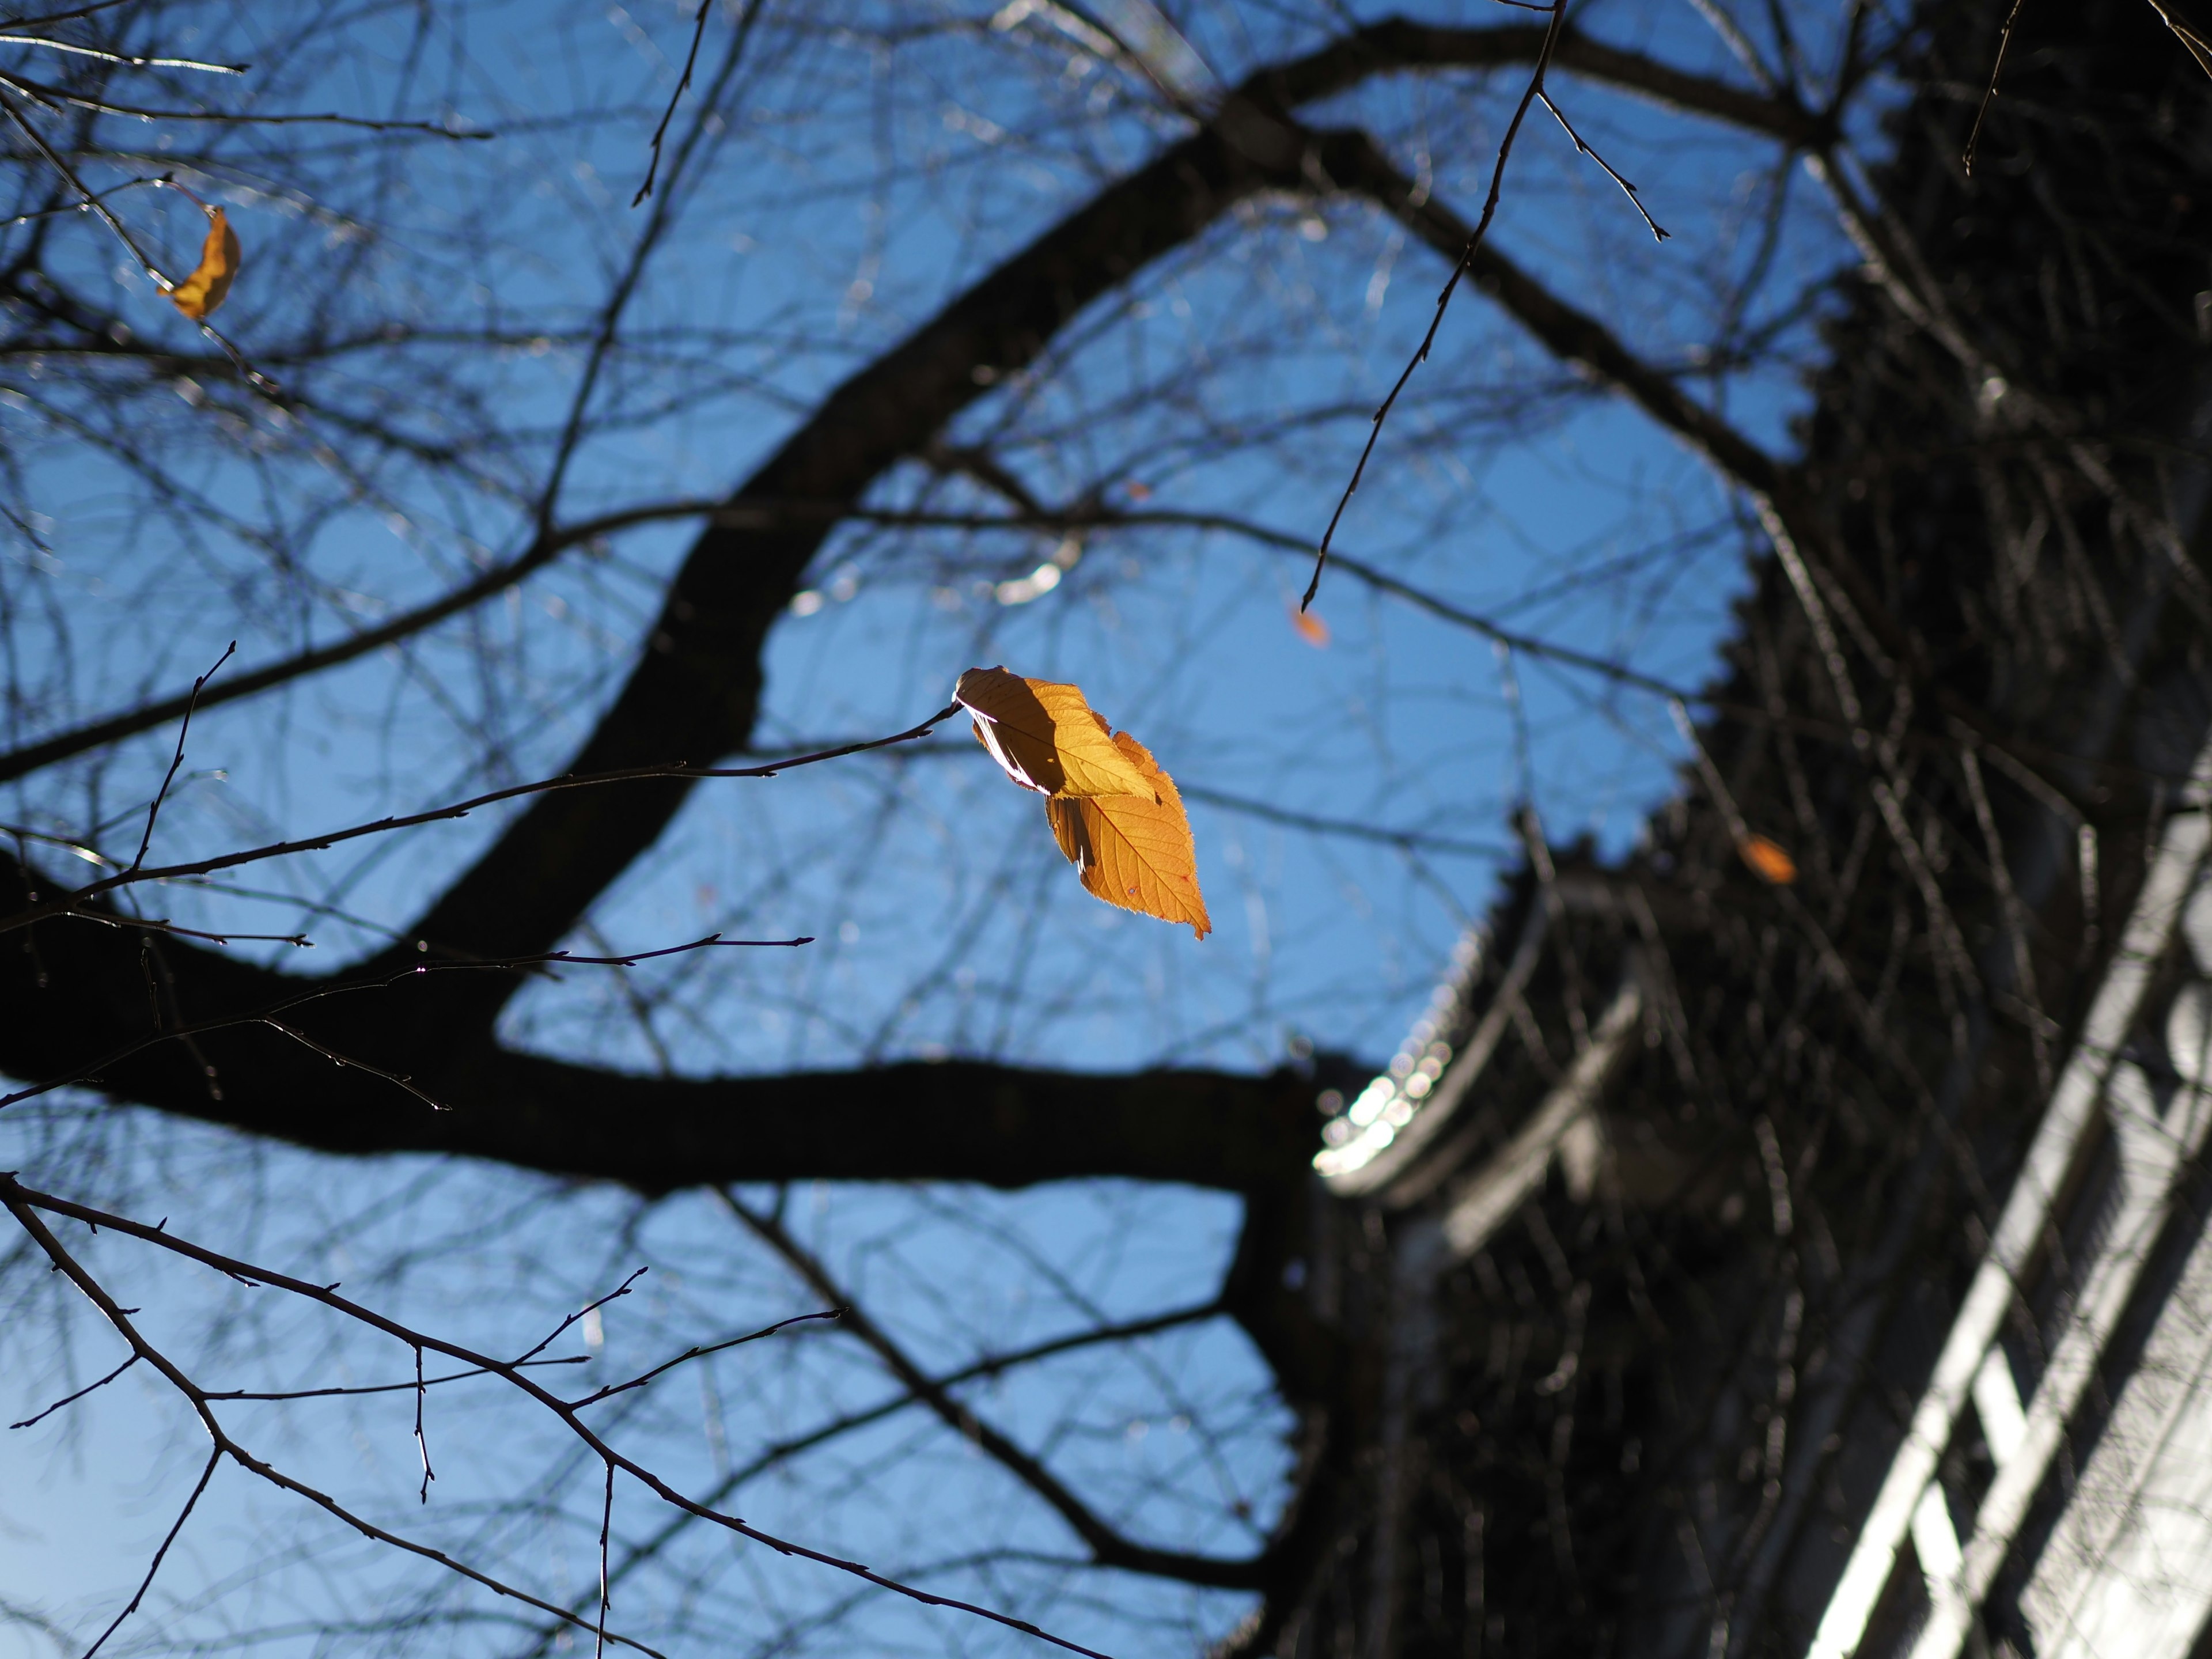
{"type": "Point", "coordinates": [1768, 861]}
{"type": "Point", "coordinates": [1311, 629]}
{"type": "Point", "coordinates": [200, 293]}
{"type": "Point", "coordinates": [1134, 851]}
{"type": "Point", "coordinates": [1046, 736]}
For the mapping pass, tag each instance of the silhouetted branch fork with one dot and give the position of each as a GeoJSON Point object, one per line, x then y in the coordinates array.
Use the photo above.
{"type": "Point", "coordinates": [1108, 1546]}
{"type": "Point", "coordinates": [459, 809]}
{"type": "Point", "coordinates": [989, 1365]}
{"type": "Point", "coordinates": [905, 1121]}
{"type": "Point", "coordinates": [24, 1202]}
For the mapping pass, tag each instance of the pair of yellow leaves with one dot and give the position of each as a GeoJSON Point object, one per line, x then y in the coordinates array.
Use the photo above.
{"type": "Point", "coordinates": [209, 285]}
{"type": "Point", "coordinates": [1114, 813]}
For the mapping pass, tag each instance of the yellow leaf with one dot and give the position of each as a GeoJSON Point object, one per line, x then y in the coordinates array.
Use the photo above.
{"type": "Point", "coordinates": [1134, 850]}
{"type": "Point", "coordinates": [1768, 861]}
{"type": "Point", "coordinates": [1311, 629]}
{"type": "Point", "coordinates": [200, 293]}
{"type": "Point", "coordinates": [1046, 736]}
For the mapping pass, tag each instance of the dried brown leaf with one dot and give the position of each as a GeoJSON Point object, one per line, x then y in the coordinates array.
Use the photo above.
{"type": "Point", "coordinates": [200, 293]}
{"type": "Point", "coordinates": [1768, 861]}
{"type": "Point", "coordinates": [1134, 851]}
{"type": "Point", "coordinates": [1046, 736]}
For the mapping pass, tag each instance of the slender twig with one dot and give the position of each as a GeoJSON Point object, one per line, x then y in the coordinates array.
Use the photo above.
{"type": "Point", "coordinates": [1989, 97]}
{"type": "Point", "coordinates": [588, 1309]}
{"type": "Point", "coordinates": [459, 810]}
{"type": "Point", "coordinates": [163, 925]}
{"type": "Point", "coordinates": [1583, 146]}
{"type": "Point", "coordinates": [53, 17]}
{"type": "Point", "coordinates": [690, 61]}
{"type": "Point", "coordinates": [421, 1444]}
{"type": "Point", "coordinates": [56, 213]}
{"type": "Point", "coordinates": [72, 1399]}
{"type": "Point", "coordinates": [176, 760]}
{"type": "Point", "coordinates": [207, 1474]}
{"type": "Point", "coordinates": [700, 1352]}
{"type": "Point", "coordinates": [269, 1394]}
{"type": "Point", "coordinates": [607, 1510]}
{"type": "Point", "coordinates": [657, 223]}
{"type": "Point", "coordinates": [122, 58]}
{"type": "Point", "coordinates": [751, 514]}
{"type": "Point", "coordinates": [229, 118]}
{"type": "Point", "coordinates": [1465, 263]}
{"type": "Point", "coordinates": [2199, 48]}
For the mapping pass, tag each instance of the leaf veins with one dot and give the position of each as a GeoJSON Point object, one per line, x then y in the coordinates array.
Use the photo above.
{"type": "Point", "coordinates": [1134, 851]}
{"type": "Point", "coordinates": [1114, 813]}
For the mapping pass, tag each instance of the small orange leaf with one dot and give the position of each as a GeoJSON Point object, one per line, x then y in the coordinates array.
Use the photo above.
{"type": "Point", "coordinates": [200, 293]}
{"type": "Point", "coordinates": [1311, 629]}
{"type": "Point", "coordinates": [1768, 861]}
{"type": "Point", "coordinates": [1046, 736]}
{"type": "Point", "coordinates": [1134, 851]}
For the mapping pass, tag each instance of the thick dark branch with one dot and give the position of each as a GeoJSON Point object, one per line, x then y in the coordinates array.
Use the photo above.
{"type": "Point", "coordinates": [1400, 43]}
{"type": "Point", "coordinates": [71, 989]}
